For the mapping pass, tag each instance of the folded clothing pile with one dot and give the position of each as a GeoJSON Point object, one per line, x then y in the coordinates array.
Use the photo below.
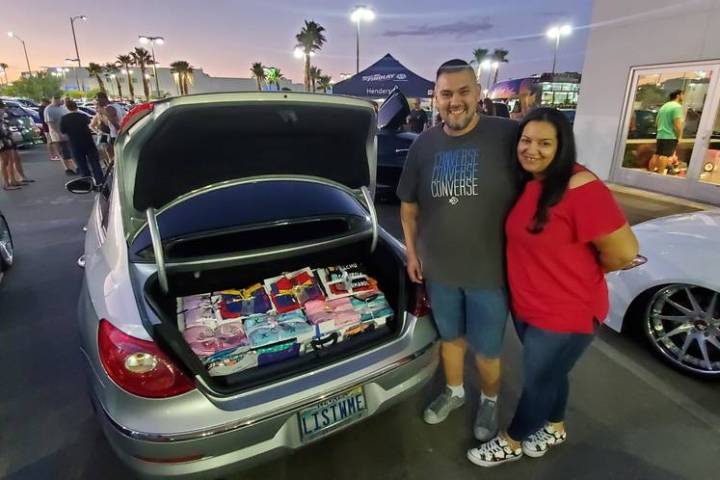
{"type": "Point", "coordinates": [280, 318]}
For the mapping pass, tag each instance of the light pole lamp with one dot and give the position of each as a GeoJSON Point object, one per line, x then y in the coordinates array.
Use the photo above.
{"type": "Point", "coordinates": [555, 33]}
{"type": "Point", "coordinates": [81, 86]}
{"type": "Point", "coordinates": [361, 13]}
{"type": "Point", "coordinates": [300, 53]}
{"type": "Point", "coordinates": [145, 39]}
{"type": "Point", "coordinates": [12, 35]}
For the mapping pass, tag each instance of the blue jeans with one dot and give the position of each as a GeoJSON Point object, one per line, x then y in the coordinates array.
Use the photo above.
{"type": "Point", "coordinates": [479, 315]}
{"type": "Point", "coordinates": [87, 160]}
{"type": "Point", "coordinates": [548, 358]}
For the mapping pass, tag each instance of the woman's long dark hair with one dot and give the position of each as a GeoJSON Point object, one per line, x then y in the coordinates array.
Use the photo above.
{"type": "Point", "coordinates": [557, 175]}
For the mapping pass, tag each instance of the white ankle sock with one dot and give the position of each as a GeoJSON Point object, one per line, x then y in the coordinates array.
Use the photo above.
{"type": "Point", "coordinates": [484, 397]}
{"type": "Point", "coordinates": [457, 391]}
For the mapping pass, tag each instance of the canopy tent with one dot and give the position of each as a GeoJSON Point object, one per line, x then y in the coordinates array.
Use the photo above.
{"type": "Point", "coordinates": [381, 77]}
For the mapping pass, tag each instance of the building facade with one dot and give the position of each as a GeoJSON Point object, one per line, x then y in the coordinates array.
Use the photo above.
{"type": "Point", "coordinates": [201, 82]}
{"type": "Point", "coordinates": [637, 54]}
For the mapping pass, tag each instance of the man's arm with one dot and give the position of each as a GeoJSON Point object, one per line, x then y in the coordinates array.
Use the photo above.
{"type": "Point", "coordinates": [678, 124]}
{"type": "Point", "coordinates": [409, 213]}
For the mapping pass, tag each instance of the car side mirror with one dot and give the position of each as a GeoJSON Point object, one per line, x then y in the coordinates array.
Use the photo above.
{"type": "Point", "coordinates": [81, 185]}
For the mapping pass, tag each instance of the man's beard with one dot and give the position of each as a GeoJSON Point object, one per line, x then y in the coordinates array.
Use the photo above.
{"type": "Point", "coordinates": [459, 123]}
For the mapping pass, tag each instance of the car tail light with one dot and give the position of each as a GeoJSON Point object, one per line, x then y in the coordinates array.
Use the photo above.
{"type": "Point", "coordinates": [422, 303]}
{"type": "Point", "coordinates": [139, 366]}
{"type": "Point", "coordinates": [135, 114]}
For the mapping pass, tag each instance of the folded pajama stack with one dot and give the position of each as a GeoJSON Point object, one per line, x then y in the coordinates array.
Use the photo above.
{"type": "Point", "coordinates": [285, 316]}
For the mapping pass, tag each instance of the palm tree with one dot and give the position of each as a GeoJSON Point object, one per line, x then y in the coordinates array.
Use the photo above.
{"type": "Point", "coordinates": [184, 71]}
{"type": "Point", "coordinates": [96, 71]}
{"type": "Point", "coordinates": [479, 56]}
{"type": "Point", "coordinates": [324, 83]}
{"type": "Point", "coordinates": [273, 76]}
{"type": "Point", "coordinates": [142, 59]}
{"type": "Point", "coordinates": [4, 67]}
{"type": "Point", "coordinates": [125, 61]}
{"type": "Point", "coordinates": [114, 71]}
{"type": "Point", "coordinates": [499, 55]}
{"type": "Point", "coordinates": [315, 74]}
{"type": "Point", "coordinates": [258, 72]}
{"type": "Point", "coordinates": [310, 40]}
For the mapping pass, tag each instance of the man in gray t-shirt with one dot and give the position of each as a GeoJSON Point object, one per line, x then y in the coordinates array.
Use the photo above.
{"type": "Point", "coordinates": [456, 190]}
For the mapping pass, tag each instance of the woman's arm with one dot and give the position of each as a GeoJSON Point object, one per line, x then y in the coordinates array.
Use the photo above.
{"type": "Point", "coordinates": [618, 249]}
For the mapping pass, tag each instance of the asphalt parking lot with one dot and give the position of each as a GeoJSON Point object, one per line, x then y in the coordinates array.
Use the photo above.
{"type": "Point", "coordinates": [629, 416]}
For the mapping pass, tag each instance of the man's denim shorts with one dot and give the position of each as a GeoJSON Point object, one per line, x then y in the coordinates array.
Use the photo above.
{"type": "Point", "coordinates": [479, 315]}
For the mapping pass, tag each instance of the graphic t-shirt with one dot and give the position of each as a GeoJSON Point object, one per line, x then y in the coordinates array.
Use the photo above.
{"type": "Point", "coordinates": [464, 187]}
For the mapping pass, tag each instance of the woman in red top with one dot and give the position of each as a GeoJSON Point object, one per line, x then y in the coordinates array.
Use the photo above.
{"type": "Point", "coordinates": [563, 234]}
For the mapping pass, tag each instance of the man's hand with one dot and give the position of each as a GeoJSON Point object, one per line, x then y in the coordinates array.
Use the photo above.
{"type": "Point", "coordinates": [414, 269]}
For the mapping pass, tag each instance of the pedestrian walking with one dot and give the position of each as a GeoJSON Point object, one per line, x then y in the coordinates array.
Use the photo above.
{"type": "Point", "coordinates": [563, 234]}
{"type": "Point", "coordinates": [456, 189]}
{"type": "Point", "coordinates": [13, 175]}
{"type": "Point", "coordinates": [53, 114]}
{"type": "Point", "coordinates": [76, 125]}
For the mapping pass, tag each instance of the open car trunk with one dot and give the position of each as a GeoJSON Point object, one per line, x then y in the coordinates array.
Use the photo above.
{"type": "Point", "coordinates": [383, 264]}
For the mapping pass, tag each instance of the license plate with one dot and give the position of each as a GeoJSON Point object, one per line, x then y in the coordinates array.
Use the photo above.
{"type": "Point", "coordinates": [328, 414]}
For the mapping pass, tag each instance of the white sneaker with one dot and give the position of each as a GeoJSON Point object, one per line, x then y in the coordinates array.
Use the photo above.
{"type": "Point", "coordinates": [494, 452]}
{"type": "Point", "coordinates": [540, 442]}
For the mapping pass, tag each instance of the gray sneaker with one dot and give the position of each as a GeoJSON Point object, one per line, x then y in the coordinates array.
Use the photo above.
{"type": "Point", "coordinates": [441, 407]}
{"type": "Point", "coordinates": [486, 421]}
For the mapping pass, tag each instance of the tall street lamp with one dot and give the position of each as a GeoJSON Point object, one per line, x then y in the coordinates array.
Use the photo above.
{"type": "Point", "coordinates": [489, 65]}
{"type": "Point", "coordinates": [77, 52]}
{"type": "Point", "coordinates": [555, 33]}
{"type": "Point", "coordinates": [300, 53]}
{"type": "Point", "coordinates": [145, 39]}
{"type": "Point", "coordinates": [361, 13]}
{"type": "Point", "coordinates": [12, 35]}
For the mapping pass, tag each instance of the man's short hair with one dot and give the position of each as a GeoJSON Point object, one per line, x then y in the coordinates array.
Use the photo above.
{"type": "Point", "coordinates": [101, 96]}
{"type": "Point", "coordinates": [674, 94]}
{"type": "Point", "coordinates": [453, 66]}
{"type": "Point", "coordinates": [70, 104]}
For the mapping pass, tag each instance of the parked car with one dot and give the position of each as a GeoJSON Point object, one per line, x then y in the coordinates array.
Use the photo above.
{"type": "Point", "coordinates": [674, 298]}
{"type": "Point", "coordinates": [23, 130]}
{"type": "Point", "coordinates": [25, 102]}
{"type": "Point", "coordinates": [393, 142]}
{"type": "Point", "coordinates": [7, 252]}
{"type": "Point", "coordinates": [176, 217]}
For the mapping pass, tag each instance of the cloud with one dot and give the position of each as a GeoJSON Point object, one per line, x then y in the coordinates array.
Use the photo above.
{"type": "Point", "coordinates": [458, 29]}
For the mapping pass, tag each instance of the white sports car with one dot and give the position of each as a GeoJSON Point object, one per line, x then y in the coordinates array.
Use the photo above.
{"type": "Point", "coordinates": [673, 296]}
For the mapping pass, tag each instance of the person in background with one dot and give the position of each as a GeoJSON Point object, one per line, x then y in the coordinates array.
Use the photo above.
{"type": "Point", "coordinates": [516, 112]}
{"type": "Point", "coordinates": [53, 114]}
{"type": "Point", "coordinates": [488, 107]}
{"type": "Point", "coordinates": [452, 216]}
{"type": "Point", "coordinates": [418, 119]}
{"type": "Point", "coordinates": [563, 234]}
{"type": "Point", "coordinates": [76, 125]}
{"type": "Point", "coordinates": [13, 175]}
{"type": "Point", "coordinates": [669, 130]}
{"type": "Point", "coordinates": [111, 115]}
{"type": "Point", "coordinates": [52, 154]}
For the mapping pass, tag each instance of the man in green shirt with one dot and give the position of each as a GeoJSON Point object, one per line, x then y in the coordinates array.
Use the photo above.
{"type": "Point", "coordinates": [669, 129]}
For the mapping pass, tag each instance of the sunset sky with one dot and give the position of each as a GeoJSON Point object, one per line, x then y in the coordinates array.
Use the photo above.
{"type": "Point", "coordinates": [223, 37]}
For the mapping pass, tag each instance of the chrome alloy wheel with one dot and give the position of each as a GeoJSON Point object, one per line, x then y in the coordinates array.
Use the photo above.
{"type": "Point", "coordinates": [682, 323]}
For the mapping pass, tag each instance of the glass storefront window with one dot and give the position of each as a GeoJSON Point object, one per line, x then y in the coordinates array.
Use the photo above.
{"type": "Point", "coordinates": [651, 94]}
{"type": "Point", "coordinates": [710, 172]}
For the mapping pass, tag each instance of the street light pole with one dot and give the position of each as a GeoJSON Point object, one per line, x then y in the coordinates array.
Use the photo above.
{"type": "Point", "coordinates": [360, 13]}
{"type": "Point", "coordinates": [27, 60]}
{"type": "Point", "coordinates": [555, 33]}
{"type": "Point", "coordinates": [81, 86]}
{"type": "Point", "coordinates": [152, 41]}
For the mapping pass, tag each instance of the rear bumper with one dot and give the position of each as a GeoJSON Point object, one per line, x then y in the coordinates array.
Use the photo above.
{"type": "Point", "coordinates": [257, 442]}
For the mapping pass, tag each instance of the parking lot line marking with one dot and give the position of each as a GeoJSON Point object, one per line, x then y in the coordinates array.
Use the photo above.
{"type": "Point", "coordinates": [701, 413]}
